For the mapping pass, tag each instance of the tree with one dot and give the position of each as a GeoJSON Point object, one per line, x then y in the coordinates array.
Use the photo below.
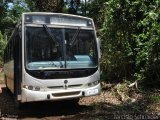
{"type": "Point", "coordinates": [73, 6]}
{"type": "Point", "coordinates": [8, 20]}
{"type": "Point", "coordinates": [1, 8]}
{"type": "Point", "coordinates": [2, 46]}
{"type": "Point", "coordinates": [131, 40]}
{"type": "Point", "coordinates": [10, 16]}
{"type": "Point", "coordinates": [95, 10]}
{"type": "Point", "coordinates": [46, 5]}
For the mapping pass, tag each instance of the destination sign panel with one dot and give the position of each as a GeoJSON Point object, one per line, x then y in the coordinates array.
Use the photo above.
{"type": "Point", "coordinates": [58, 20]}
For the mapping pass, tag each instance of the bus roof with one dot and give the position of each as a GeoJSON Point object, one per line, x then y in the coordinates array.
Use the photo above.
{"type": "Point", "coordinates": [51, 13]}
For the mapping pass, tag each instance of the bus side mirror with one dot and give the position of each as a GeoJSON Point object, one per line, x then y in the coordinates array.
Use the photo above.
{"type": "Point", "coordinates": [99, 47]}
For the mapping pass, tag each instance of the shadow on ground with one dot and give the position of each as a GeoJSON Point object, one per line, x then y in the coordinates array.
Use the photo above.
{"type": "Point", "coordinates": [107, 111]}
{"type": "Point", "coordinates": [66, 111]}
{"type": "Point", "coordinates": [137, 110]}
{"type": "Point", "coordinates": [37, 109]}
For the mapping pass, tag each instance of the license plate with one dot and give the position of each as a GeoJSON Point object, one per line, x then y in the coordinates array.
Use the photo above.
{"type": "Point", "coordinates": [92, 92]}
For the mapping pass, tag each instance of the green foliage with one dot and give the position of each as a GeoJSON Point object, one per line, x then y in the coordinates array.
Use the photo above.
{"type": "Point", "coordinates": [95, 10]}
{"type": "Point", "coordinates": [155, 98]}
{"type": "Point", "coordinates": [45, 5]}
{"type": "Point", "coordinates": [2, 45]}
{"type": "Point", "coordinates": [148, 54]}
{"type": "Point", "coordinates": [118, 44]}
{"type": "Point", "coordinates": [8, 20]}
{"type": "Point", "coordinates": [130, 39]}
{"type": "Point", "coordinates": [10, 16]}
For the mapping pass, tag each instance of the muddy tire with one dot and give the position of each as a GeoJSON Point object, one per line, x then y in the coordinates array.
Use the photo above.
{"type": "Point", "coordinates": [5, 81]}
{"type": "Point", "coordinates": [19, 105]}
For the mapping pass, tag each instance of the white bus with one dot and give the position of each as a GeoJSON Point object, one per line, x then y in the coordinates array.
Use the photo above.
{"type": "Point", "coordinates": [52, 56]}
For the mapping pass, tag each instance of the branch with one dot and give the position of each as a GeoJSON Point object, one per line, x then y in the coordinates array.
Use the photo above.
{"type": "Point", "coordinates": [134, 84]}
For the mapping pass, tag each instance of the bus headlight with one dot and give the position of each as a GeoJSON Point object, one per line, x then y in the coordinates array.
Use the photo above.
{"type": "Point", "coordinates": [30, 87]}
{"type": "Point", "coordinates": [37, 88]}
{"type": "Point", "coordinates": [93, 83]}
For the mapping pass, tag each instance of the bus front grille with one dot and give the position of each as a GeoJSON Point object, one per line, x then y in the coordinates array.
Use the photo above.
{"type": "Point", "coordinates": [66, 94]}
{"type": "Point", "coordinates": [55, 87]}
{"type": "Point", "coordinates": [61, 87]}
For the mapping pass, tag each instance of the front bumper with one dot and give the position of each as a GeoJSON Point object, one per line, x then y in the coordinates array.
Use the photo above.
{"type": "Point", "coordinates": [30, 96]}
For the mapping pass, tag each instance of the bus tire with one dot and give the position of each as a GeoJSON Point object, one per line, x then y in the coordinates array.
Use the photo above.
{"type": "Point", "coordinates": [19, 105]}
{"type": "Point", "coordinates": [5, 81]}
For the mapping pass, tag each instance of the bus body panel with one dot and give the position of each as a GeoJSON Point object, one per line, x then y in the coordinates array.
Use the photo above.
{"type": "Point", "coordinates": [76, 87]}
{"type": "Point", "coordinates": [9, 75]}
{"type": "Point", "coordinates": [30, 96]}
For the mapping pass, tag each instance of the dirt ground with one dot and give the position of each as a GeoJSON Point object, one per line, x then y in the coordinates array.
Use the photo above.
{"type": "Point", "coordinates": [106, 106]}
{"type": "Point", "coordinates": [101, 107]}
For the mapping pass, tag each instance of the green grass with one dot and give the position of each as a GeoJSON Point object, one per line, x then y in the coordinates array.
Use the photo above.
{"type": "Point", "coordinates": [1, 77]}
{"type": "Point", "coordinates": [155, 98]}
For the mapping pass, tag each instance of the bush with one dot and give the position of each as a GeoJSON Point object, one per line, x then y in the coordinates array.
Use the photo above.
{"type": "Point", "coordinates": [2, 46]}
{"type": "Point", "coordinates": [131, 42]}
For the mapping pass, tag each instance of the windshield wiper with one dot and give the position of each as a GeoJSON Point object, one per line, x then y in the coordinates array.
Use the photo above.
{"type": "Point", "coordinates": [75, 36]}
{"type": "Point", "coordinates": [52, 36]}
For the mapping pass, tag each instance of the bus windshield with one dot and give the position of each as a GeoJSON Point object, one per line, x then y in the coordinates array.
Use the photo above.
{"type": "Point", "coordinates": [60, 48]}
